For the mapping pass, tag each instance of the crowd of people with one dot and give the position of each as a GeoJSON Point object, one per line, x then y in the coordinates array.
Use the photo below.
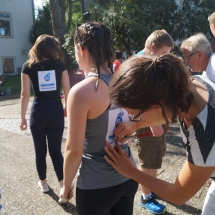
{"type": "Point", "coordinates": [138, 97]}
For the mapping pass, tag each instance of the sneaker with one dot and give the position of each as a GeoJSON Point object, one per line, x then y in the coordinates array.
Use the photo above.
{"type": "Point", "coordinates": [153, 195]}
{"type": "Point", "coordinates": [61, 199]}
{"type": "Point", "coordinates": [152, 205]}
{"type": "Point", "coordinates": [43, 187]}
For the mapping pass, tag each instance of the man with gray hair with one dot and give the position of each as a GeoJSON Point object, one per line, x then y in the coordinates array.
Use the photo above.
{"type": "Point", "coordinates": [198, 55]}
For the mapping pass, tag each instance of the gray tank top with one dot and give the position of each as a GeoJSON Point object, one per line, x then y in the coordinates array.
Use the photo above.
{"type": "Point", "coordinates": [94, 171]}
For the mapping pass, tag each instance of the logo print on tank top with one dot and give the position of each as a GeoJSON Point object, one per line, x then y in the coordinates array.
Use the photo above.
{"type": "Point", "coordinates": [47, 80]}
{"type": "Point", "coordinates": [47, 77]}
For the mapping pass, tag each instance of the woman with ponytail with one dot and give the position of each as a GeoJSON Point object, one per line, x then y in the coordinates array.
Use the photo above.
{"type": "Point", "coordinates": [100, 189]}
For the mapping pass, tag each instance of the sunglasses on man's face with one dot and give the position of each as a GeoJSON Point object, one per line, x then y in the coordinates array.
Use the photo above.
{"type": "Point", "coordinates": [188, 57]}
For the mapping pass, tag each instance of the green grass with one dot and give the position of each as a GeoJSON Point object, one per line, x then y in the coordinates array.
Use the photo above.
{"type": "Point", "coordinates": [14, 82]}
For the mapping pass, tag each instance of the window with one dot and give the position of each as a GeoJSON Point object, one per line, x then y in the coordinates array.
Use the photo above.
{"type": "Point", "coordinates": [8, 65]}
{"type": "Point", "coordinates": [5, 25]}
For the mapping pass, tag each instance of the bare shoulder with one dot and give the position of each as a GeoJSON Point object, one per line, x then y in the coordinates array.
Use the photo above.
{"type": "Point", "coordinates": [84, 90]}
{"type": "Point", "coordinates": [196, 84]}
{"type": "Point", "coordinates": [200, 89]}
{"type": "Point", "coordinates": [84, 96]}
{"type": "Point", "coordinates": [200, 99]}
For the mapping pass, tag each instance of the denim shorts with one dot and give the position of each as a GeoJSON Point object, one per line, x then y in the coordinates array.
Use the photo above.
{"type": "Point", "coordinates": [150, 149]}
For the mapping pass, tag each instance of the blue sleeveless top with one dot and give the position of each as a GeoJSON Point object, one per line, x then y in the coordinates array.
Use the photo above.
{"type": "Point", "coordinates": [94, 171]}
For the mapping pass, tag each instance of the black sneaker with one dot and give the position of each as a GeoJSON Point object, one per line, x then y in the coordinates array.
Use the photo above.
{"type": "Point", "coordinates": [152, 205]}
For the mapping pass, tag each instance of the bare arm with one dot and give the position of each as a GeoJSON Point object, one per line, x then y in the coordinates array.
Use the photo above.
{"type": "Point", "coordinates": [66, 87]}
{"type": "Point", "coordinates": [128, 128]}
{"type": "Point", "coordinates": [24, 97]}
{"type": "Point", "coordinates": [157, 130]}
{"type": "Point", "coordinates": [190, 179]}
{"type": "Point", "coordinates": [77, 116]}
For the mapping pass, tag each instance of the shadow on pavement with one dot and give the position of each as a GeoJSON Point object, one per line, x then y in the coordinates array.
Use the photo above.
{"type": "Point", "coordinates": [68, 207]}
{"type": "Point", "coordinates": [185, 208]}
{"type": "Point", "coordinates": [5, 98]}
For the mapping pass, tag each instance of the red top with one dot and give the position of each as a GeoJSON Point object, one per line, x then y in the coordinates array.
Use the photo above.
{"type": "Point", "coordinates": [116, 65]}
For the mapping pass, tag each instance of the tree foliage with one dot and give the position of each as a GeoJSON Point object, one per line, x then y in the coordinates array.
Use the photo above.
{"type": "Point", "coordinates": [192, 18]}
{"type": "Point", "coordinates": [61, 16]}
{"type": "Point", "coordinates": [42, 24]}
{"type": "Point", "coordinates": [64, 14]}
{"type": "Point", "coordinates": [77, 18]}
{"type": "Point", "coordinates": [131, 21]}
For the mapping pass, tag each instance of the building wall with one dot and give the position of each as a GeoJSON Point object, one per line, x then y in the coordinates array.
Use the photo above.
{"type": "Point", "coordinates": [22, 19]}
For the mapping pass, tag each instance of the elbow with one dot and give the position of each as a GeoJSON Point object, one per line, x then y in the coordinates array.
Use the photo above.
{"type": "Point", "coordinates": [176, 198]}
{"type": "Point", "coordinates": [179, 201]}
{"type": "Point", "coordinates": [24, 95]}
{"type": "Point", "coordinates": [66, 93]}
{"type": "Point", "coordinates": [73, 152]}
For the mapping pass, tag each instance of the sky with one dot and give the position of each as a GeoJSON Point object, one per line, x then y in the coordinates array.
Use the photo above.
{"type": "Point", "coordinates": [38, 3]}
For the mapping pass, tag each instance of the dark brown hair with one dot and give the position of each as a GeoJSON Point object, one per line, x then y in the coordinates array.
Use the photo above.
{"type": "Point", "coordinates": [141, 83]}
{"type": "Point", "coordinates": [118, 54]}
{"type": "Point", "coordinates": [46, 46]}
{"type": "Point", "coordinates": [96, 37]}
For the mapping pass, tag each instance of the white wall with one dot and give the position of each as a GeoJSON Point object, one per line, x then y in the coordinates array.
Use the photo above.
{"type": "Point", "coordinates": [22, 12]}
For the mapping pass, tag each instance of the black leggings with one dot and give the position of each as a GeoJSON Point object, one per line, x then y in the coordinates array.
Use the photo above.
{"type": "Point", "coordinates": [116, 200]}
{"type": "Point", "coordinates": [47, 121]}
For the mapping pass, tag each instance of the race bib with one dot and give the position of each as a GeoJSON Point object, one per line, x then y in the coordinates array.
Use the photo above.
{"type": "Point", "coordinates": [115, 117]}
{"type": "Point", "coordinates": [47, 80]}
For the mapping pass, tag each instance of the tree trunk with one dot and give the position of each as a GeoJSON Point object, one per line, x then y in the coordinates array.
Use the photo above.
{"type": "Point", "coordinates": [57, 12]}
{"type": "Point", "coordinates": [69, 23]}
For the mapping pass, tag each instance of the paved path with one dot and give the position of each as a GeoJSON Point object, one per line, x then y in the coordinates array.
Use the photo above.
{"type": "Point", "coordinates": [18, 176]}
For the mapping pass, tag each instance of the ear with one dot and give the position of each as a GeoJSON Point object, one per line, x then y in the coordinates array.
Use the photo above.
{"type": "Point", "coordinates": [152, 47]}
{"type": "Point", "coordinates": [201, 54]}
